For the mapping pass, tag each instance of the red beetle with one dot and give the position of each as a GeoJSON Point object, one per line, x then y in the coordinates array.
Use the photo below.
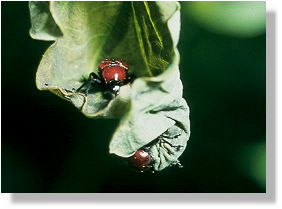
{"type": "Point", "coordinates": [112, 74]}
{"type": "Point", "coordinates": [141, 160]}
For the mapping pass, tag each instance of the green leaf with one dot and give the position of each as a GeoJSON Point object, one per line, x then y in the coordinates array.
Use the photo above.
{"type": "Point", "coordinates": [143, 34]}
{"type": "Point", "coordinates": [157, 107]}
{"type": "Point", "coordinates": [93, 31]}
{"type": "Point", "coordinates": [43, 25]}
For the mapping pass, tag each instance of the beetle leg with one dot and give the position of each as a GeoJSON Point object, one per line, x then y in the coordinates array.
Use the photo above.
{"type": "Point", "coordinates": [177, 163]}
{"type": "Point", "coordinates": [93, 80]}
{"type": "Point", "coordinates": [129, 78]}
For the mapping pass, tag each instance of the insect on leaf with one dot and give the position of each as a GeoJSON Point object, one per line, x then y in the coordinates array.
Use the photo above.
{"type": "Point", "coordinates": [144, 35]}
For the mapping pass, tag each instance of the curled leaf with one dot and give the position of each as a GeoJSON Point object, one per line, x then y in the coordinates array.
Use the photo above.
{"type": "Point", "coordinates": [93, 31]}
{"type": "Point", "coordinates": [157, 107]}
{"type": "Point", "coordinates": [145, 35]}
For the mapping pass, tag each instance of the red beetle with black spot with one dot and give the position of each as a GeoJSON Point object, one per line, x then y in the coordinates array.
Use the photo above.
{"type": "Point", "coordinates": [112, 74]}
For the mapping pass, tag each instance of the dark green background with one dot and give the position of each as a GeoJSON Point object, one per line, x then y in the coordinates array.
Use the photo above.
{"type": "Point", "coordinates": [49, 146]}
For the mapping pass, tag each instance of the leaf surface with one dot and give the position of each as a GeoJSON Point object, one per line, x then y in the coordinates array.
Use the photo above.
{"type": "Point", "coordinates": [143, 34]}
{"type": "Point", "coordinates": [86, 33]}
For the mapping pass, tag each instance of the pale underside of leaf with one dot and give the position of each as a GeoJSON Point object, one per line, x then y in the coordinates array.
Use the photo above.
{"type": "Point", "coordinates": [156, 107]}
{"type": "Point", "coordinates": [43, 25]}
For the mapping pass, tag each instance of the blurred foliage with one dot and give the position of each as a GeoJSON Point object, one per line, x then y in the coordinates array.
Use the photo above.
{"type": "Point", "coordinates": [224, 84]}
{"type": "Point", "coordinates": [241, 19]}
{"type": "Point", "coordinates": [251, 159]}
